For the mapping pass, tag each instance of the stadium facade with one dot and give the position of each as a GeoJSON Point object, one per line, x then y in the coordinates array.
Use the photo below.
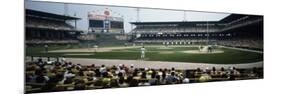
{"type": "Point", "coordinates": [48, 28]}
{"type": "Point", "coordinates": [236, 30]}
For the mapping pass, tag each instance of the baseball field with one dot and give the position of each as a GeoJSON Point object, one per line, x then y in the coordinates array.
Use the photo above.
{"type": "Point", "coordinates": [179, 53]}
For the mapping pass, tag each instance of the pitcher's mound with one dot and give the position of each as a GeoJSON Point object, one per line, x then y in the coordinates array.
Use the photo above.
{"type": "Point", "coordinates": [166, 52]}
{"type": "Point", "coordinates": [202, 52]}
{"type": "Point", "coordinates": [78, 54]}
{"type": "Point", "coordinates": [164, 48]}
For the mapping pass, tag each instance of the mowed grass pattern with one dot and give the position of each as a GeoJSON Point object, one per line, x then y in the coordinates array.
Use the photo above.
{"type": "Point", "coordinates": [230, 56]}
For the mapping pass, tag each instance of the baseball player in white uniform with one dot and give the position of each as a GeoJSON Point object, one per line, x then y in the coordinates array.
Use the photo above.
{"type": "Point", "coordinates": [142, 52]}
{"type": "Point", "coordinates": [96, 48]}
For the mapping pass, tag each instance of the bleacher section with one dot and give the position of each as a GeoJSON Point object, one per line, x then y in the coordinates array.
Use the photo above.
{"type": "Point", "coordinates": [244, 31]}
{"type": "Point", "coordinates": [39, 23]}
{"type": "Point", "coordinates": [176, 27]}
{"type": "Point", "coordinates": [104, 39]}
{"type": "Point", "coordinates": [48, 28]}
{"type": "Point", "coordinates": [61, 76]}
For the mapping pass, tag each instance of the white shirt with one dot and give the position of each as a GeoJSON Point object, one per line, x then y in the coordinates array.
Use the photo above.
{"type": "Point", "coordinates": [186, 80]}
{"type": "Point", "coordinates": [102, 69]}
{"type": "Point", "coordinates": [63, 60]}
{"type": "Point", "coordinates": [142, 50]}
{"type": "Point", "coordinates": [67, 75]}
{"type": "Point", "coordinates": [96, 46]}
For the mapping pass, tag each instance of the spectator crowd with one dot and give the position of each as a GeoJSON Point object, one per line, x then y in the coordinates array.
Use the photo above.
{"type": "Point", "coordinates": [42, 76]}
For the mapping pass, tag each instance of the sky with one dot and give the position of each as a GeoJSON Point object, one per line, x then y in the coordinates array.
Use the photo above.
{"type": "Point", "coordinates": [129, 14]}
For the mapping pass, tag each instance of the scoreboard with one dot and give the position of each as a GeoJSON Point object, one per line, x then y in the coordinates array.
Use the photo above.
{"type": "Point", "coordinates": [96, 23]}
{"type": "Point", "coordinates": [105, 23]}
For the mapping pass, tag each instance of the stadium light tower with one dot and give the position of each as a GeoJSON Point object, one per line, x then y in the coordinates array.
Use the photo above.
{"type": "Point", "coordinates": [207, 32]}
{"type": "Point", "coordinates": [137, 20]}
{"type": "Point", "coordinates": [66, 9]}
{"type": "Point", "coordinates": [138, 15]}
{"type": "Point", "coordinates": [184, 16]}
{"type": "Point", "coordinates": [75, 23]}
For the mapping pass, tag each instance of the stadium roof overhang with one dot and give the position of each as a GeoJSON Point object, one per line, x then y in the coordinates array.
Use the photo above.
{"type": "Point", "coordinates": [233, 17]}
{"type": "Point", "coordinates": [40, 14]}
{"type": "Point", "coordinates": [53, 29]}
{"type": "Point", "coordinates": [227, 19]}
{"type": "Point", "coordinates": [174, 22]}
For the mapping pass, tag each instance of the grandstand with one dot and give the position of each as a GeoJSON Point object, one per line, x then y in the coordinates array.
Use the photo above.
{"type": "Point", "coordinates": [66, 76]}
{"type": "Point", "coordinates": [104, 39]}
{"type": "Point", "coordinates": [235, 30]}
{"type": "Point", "coordinates": [48, 28]}
{"type": "Point", "coordinates": [151, 53]}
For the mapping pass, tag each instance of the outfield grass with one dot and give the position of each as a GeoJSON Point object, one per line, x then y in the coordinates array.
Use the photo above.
{"type": "Point", "coordinates": [230, 56]}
